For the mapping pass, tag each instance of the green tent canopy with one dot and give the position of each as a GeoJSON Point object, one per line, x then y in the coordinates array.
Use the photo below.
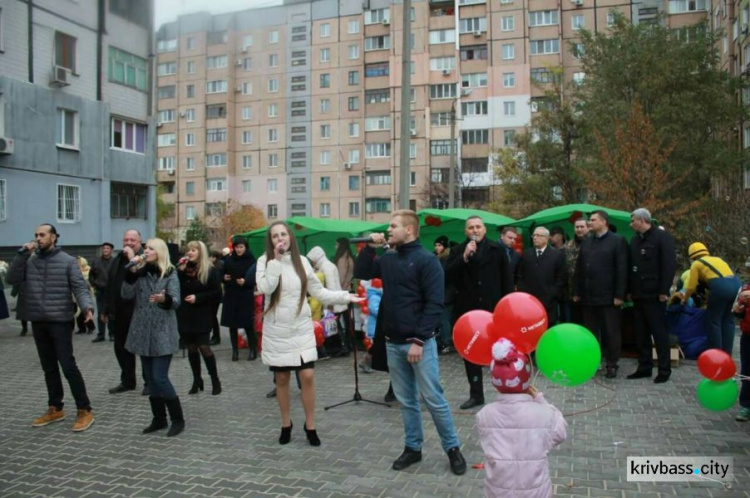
{"type": "Point", "coordinates": [451, 223]}
{"type": "Point", "coordinates": [311, 232]}
{"type": "Point", "coordinates": [564, 216]}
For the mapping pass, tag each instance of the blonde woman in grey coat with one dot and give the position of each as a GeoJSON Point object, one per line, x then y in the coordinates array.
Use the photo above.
{"type": "Point", "coordinates": [153, 335]}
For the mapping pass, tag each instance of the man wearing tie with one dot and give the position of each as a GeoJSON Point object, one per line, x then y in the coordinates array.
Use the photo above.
{"type": "Point", "coordinates": [508, 236]}
{"type": "Point", "coordinates": [541, 273]}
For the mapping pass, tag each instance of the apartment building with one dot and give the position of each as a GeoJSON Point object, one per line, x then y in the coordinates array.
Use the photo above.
{"type": "Point", "coordinates": [77, 139]}
{"type": "Point", "coordinates": [296, 108]}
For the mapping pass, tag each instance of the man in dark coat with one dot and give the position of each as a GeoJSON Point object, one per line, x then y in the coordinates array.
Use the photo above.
{"type": "Point", "coordinates": [118, 312]}
{"type": "Point", "coordinates": [478, 270]}
{"type": "Point", "coordinates": [508, 237]}
{"type": "Point", "coordinates": [541, 273]}
{"type": "Point", "coordinates": [653, 263]}
{"type": "Point", "coordinates": [601, 281]}
{"type": "Point", "coordinates": [98, 276]}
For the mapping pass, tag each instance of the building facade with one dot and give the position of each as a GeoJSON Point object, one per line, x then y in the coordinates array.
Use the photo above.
{"type": "Point", "coordinates": [77, 146]}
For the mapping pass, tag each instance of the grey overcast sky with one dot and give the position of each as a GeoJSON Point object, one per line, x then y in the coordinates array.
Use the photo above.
{"type": "Point", "coordinates": [168, 10]}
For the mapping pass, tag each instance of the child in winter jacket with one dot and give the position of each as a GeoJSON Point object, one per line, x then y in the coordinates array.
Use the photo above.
{"type": "Point", "coordinates": [518, 430]}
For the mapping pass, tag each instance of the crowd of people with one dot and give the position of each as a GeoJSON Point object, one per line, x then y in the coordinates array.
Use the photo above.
{"type": "Point", "coordinates": [150, 305]}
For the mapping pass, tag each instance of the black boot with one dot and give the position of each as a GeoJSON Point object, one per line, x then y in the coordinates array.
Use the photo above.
{"type": "Point", "coordinates": [159, 410]}
{"type": "Point", "coordinates": [212, 371]}
{"type": "Point", "coordinates": [252, 355]}
{"type": "Point", "coordinates": [194, 358]}
{"type": "Point", "coordinates": [175, 414]}
{"type": "Point", "coordinates": [233, 340]}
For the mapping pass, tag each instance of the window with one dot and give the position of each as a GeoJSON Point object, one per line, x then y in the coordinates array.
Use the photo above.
{"type": "Point", "coordinates": [325, 182]}
{"type": "Point", "coordinates": [128, 201]}
{"type": "Point", "coordinates": [325, 209]}
{"type": "Point", "coordinates": [375, 150]}
{"type": "Point", "coordinates": [443, 91]}
{"type": "Point", "coordinates": [189, 139]}
{"type": "Point", "coordinates": [509, 80]}
{"type": "Point", "coordinates": [439, 175]}
{"type": "Point", "coordinates": [680, 6]}
{"type": "Point", "coordinates": [191, 67]}
{"type": "Point", "coordinates": [353, 103]}
{"type": "Point", "coordinates": [473, 80]}
{"type": "Point", "coordinates": [218, 86]}
{"type": "Point", "coordinates": [3, 197]}
{"type": "Point", "coordinates": [65, 51]}
{"type": "Point", "coordinates": [474, 165]}
{"type": "Point", "coordinates": [166, 46]}
{"type": "Point", "coordinates": [216, 62]}
{"type": "Point", "coordinates": [325, 80]}
{"type": "Point", "coordinates": [325, 158]}
{"type": "Point", "coordinates": [577, 21]}
{"type": "Point", "coordinates": [325, 131]}
{"type": "Point", "coordinates": [542, 75]}
{"type": "Point", "coordinates": [247, 112]}
{"type": "Point", "coordinates": [441, 147]}
{"type": "Point", "coordinates": [130, 70]}
{"type": "Point", "coordinates": [273, 135]}
{"type": "Point", "coordinates": [377, 69]}
{"type": "Point", "coordinates": [378, 123]}
{"type": "Point", "coordinates": [509, 109]}
{"type": "Point", "coordinates": [476, 52]}
{"type": "Point", "coordinates": [216, 135]}
{"type": "Point", "coordinates": [509, 51]}
{"type": "Point", "coordinates": [189, 188]}
{"type": "Point", "coordinates": [246, 186]}
{"type": "Point", "coordinates": [216, 111]}
{"type": "Point", "coordinates": [216, 37]}
{"type": "Point", "coordinates": [190, 115]}
{"type": "Point", "coordinates": [378, 96]}
{"type": "Point", "coordinates": [273, 36]}
{"type": "Point", "coordinates": [544, 18]}
{"type": "Point", "coordinates": [165, 69]}
{"type": "Point", "coordinates": [508, 23]}
{"type": "Point", "coordinates": [551, 46]}
{"type": "Point", "coordinates": [354, 209]}
{"type": "Point", "coordinates": [325, 55]}
{"type": "Point", "coordinates": [471, 137]}
{"type": "Point", "coordinates": [190, 91]}
{"type": "Point", "coordinates": [412, 179]}
{"type": "Point", "coordinates": [578, 77]}
{"type": "Point", "coordinates": [377, 43]}
{"type": "Point", "coordinates": [353, 129]}
{"type": "Point", "coordinates": [354, 77]}
{"type": "Point", "coordinates": [68, 203]}
{"type": "Point", "coordinates": [189, 213]}
{"type": "Point", "coordinates": [610, 19]}
{"type": "Point", "coordinates": [190, 164]}
{"type": "Point", "coordinates": [472, 25]}
{"type": "Point", "coordinates": [167, 163]}
{"type": "Point", "coordinates": [374, 205]}
{"type": "Point", "coordinates": [378, 178]}
{"type": "Point", "coordinates": [273, 85]}
{"type": "Point", "coordinates": [247, 42]}
{"type": "Point", "coordinates": [273, 160]}
{"type": "Point", "coordinates": [247, 88]}
{"type": "Point", "coordinates": [325, 30]}
{"type": "Point", "coordinates": [509, 138]}
{"type": "Point", "coordinates": [325, 105]}
{"type": "Point", "coordinates": [578, 50]}
{"type": "Point", "coordinates": [442, 63]}
{"type": "Point", "coordinates": [354, 156]}
{"type": "Point", "coordinates": [130, 136]}
{"type": "Point", "coordinates": [247, 162]}
{"type": "Point", "coordinates": [412, 151]}
{"type": "Point", "coordinates": [354, 51]}
{"type": "Point", "coordinates": [273, 60]}
{"type": "Point", "coordinates": [440, 119]}
{"type": "Point", "coordinates": [377, 16]}
{"type": "Point", "coordinates": [273, 185]}
{"type": "Point", "coordinates": [216, 184]}
{"type": "Point", "coordinates": [353, 27]}
{"type": "Point", "coordinates": [247, 137]}
{"type": "Point", "coordinates": [190, 43]}
{"type": "Point", "coordinates": [67, 128]}
{"type": "Point", "coordinates": [216, 160]}
{"type": "Point", "coordinates": [442, 36]}
{"type": "Point", "coordinates": [272, 211]}
{"type": "Point", "coordinates": [353, 182]}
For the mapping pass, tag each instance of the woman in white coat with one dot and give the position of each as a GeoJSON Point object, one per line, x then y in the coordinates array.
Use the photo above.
{"type": "Point", "coordinates": [285, 277]}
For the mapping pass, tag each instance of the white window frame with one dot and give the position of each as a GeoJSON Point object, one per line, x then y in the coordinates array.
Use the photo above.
{"type": "Point", "coordinates": [61, 129]}
{"type": "Point", "coordinates": [247, 137]}
{"type": "Point", "coordinates": [273, 37]}
{"type": "Point", "coordinates": [474, 80]}
{"type": "Point", "coordinates": [439, 36]}
{"type": "Point", "coordinates": [167, 163]}
{"type": "Point", "coordinates": [189, 164]}
{"type": "Point", "coordinates": [216, 86]}
{"type": "Point", "coordinates": [273, 160]}
{"type": "Point", "coordinates": [247, 42]}
{"type": "Point", "coordinates": [577, 22]}
{"type": "Point", "coordinates": [273, 135]}
{"type": "Point", "coordinates": [508, 23]}
{"type": "Point", "coordinates": [544, 18]}
{"type": "Point", "coordinates": [508, 51]}
{"type": "Point", "coordinates": [509, 80]}
{"type": "Point", "coordinates": [443, 63]}
{"type": "Point", "coordinates": [353, 26]}
{"type": "Point", "coordinates": [353, 52]}
{"type": "Point", "coordinates": [325, 55]}
{"type": "Point", "coordinates": [272, 211]}
{"type": "Point", "coordinates": [273, 185]}
{"type": "Point", "coordinates": [217, 62]}
{"type": "Point", "coordinates": [216, 160]}
{"type": "Point", "coordinates": [190, 213]}
{"type": "Point", "coordinates": [325, 157]}
{"type": "Point", "coordinates": [548, 46]}
{"type": "Point", "coordinates": [247, 113]}
{"type": "Point", "coordinates": [325, 209]}
{"type": "Point", "coordinates": [166, 68]}
{"type": "Point", "coordinates": [247, 88]}
{"type": "Point", "coordinates": [325, 131]}
{"type": "Point", "coordinates": [354, 156]}
{"type": "Point", "coordinates": [68, 194]}
{"type": "Point", "coordinates": [189, 139]}
{"type": "Point", "coordinates": [247, 186]}
{"type": "Point", "coordinates": [273, 110]}
{"type": "Point", "coordinates": [273, 60]}
{"type": "Point", "coordinates": [325, 30]}
{"type": "Point", "coordinates": [325, 106]}
{"type": "Point", "coordinates": [190, 69]}
{"type": "Point", "coordinates": [353, 129]}
{"type": "Point", "coordinates": [190, 115]}
{"type": "Point", "coordinates": [247, 162]}
{"type": "Point", "coordinates": [216, 185]}
{"type": "Point", "coordinates": [273, 85]}
{"type": "Point", "coordinates": [509, 108]}
{"type": "Point", "coordinates": [164, 140]}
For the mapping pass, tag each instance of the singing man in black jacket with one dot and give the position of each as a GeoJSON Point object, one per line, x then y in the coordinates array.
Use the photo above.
{"type": "Point", "coordinates": [600, 285]}
{"type": "Point", "coordinates": [478, 271]}
{"type": "Point", "coordinates": [541, 273]}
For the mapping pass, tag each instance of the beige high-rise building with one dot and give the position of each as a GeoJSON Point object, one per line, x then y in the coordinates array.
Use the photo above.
{"type": "Point", "coordinates": [296, 108]}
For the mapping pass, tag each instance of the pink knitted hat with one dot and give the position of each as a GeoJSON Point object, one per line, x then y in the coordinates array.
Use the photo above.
{"type": "Point", "coordinates": [510, 369]}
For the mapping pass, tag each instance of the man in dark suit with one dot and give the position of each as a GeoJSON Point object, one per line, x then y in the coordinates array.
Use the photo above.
{"type": "Point", "coordinates": [601, 281]}
{"type": "Point", "coordinates": [541, 273]}
{"type": "Point", "coordinates": [508, 236]}
{"type": "Point", "coordinates": [478, 270]}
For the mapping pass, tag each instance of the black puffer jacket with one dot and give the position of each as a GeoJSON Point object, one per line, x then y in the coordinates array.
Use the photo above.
{"type": "Point", "coordinates": [50, 279]}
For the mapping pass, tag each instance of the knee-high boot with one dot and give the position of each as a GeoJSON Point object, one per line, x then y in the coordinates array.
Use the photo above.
{"type": "Point", "coordinates": [233, 340]}
{"type": "Point", "coordinates": [252, 344]}
{"type": "Point", "coordinates": [194, 358]}
{"type": "Point", "coordinates": [175, 414]}
{"type": "Point", "coordinates": [159, 411]}
{"type": "Point", "coordinates": [213, 372]}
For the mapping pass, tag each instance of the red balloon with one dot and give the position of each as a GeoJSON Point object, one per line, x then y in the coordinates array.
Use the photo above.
{"type": "Point", "coordinates": [377, 283]}
{"type": "Point", "coordinates": [361, 292]}
{"type": "Point", "coordinates": [367, 343]}
{"type": "Point", "coordinates": [716, 364]}
{"type": "Point", "coordinates": [522, 319]}
{"type": "Point", "coordinates": [473, 336]}
{"type": "Point", "coordinates": [320, 337]}
{"type": "Point", "coordinates": [364, 309]}
{"type": "Point", "coordinates": [241, 341]}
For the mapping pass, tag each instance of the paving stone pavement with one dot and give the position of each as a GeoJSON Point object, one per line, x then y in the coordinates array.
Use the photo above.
{"type": "Point", "coordinates": [230, 448]}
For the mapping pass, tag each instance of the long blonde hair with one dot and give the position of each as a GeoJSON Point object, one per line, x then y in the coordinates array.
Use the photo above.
{"type": "Point", "coordinates": [162, 252]}
{"type": "Point", "coordinates": [204, 264]}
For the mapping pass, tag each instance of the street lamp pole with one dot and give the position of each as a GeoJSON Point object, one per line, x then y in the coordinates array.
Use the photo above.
{"type": "Point", "coordinates": [405, 170]}
{"type": "Point", "coordinates": [452, 169]}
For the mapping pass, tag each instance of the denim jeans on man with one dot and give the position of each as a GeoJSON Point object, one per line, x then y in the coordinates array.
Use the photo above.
{"type": "Point", "coordinates": [721, 294]}
{"type": "Point", "coordinates": [412, 379]}
{"type": "Point", "coordinates": [156, 370]}
{"type": "Point", "coordinates": [54, 343]}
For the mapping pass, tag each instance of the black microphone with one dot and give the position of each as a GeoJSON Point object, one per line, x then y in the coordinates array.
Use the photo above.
{"type": "Point", "coordinates": [473, 239]}
{"type": "Point", "coordinates": [136, 260]}
{"type": "Point", "coordinates": [23, 250]}
{"type": "Point", "coordinates": [360, 240]}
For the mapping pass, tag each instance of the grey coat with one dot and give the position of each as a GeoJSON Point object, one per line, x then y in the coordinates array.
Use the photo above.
{"type": "Point", "coordinates": [153, 330]}
{"type": "Point", "coordinates": [50, 280]}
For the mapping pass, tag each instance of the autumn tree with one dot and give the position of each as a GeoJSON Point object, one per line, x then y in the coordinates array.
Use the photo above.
{"type": "Point", "coordinates": [237, 218]}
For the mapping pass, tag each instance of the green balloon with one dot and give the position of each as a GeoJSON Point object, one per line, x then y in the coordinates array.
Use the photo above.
{"type": "Point", "coordinates": [568, 354]}
{"type": "Point", "coordinates": [717, 396]}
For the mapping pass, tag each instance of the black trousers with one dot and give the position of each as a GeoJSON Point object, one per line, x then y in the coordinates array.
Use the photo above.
{"type": "Point", "coordinates": [605, 322]}
{"type": "Point", "coordinates": [125, 358]}
{"type": "Point", "coordinates": [474, 376]}
{"type": "Point", "coordinates": [54, 343]}
{"type": "Point", "coordinates": [650, 320]}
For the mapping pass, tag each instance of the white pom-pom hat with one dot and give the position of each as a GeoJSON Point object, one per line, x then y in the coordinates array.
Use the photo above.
{"type": "Point", "coordinates": [510, 369]}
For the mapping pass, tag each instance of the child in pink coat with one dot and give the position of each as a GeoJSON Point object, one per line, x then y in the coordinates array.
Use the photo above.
{"type": "Point", "coordinates": [518, 430]}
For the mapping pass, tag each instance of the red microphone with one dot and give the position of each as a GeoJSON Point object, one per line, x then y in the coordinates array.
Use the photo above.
{"type": "Point", "coordinates": [182, 261]}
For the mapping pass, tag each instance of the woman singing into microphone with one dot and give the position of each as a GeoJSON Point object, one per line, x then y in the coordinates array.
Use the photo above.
{"type": "Point", "coordinates": [285, 277]}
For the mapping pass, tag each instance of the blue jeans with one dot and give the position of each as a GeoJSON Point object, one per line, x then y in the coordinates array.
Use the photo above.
{"type": "Point", "coordinates": [411, 379]}
{"type": "Point", "coordinates": [156, 370]}
{"type": "Point", "coordinates": [721, 294]}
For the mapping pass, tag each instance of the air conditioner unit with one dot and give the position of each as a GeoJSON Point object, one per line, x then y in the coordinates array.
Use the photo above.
{"type": "Point", "coordinates": [238, 89]}
{"type": "Point", "coordinates": [386, 22]}
{"type": "Point", "coordinates": [347, 166]}
{"type": "Point", "coordinates": [170, 172]}
{"type": "Point", "coordinates": [477, 33]}
{"type": "Point", "coordinates": [183, 114]}
{"type": "Point", "coordinates": [577, 3]}
{"type": "Point", "coordinates": [238, 62]}
{"type": "Point", "coordinates": [6, 145]}
{"type": "Point", "coordinates": [244, 50]}
{"type": "Point", "coordinates": [159, 125]}
{"type": "Point", "coordinates": [446, 72]}
{"type": "Point", "coordinates": [60, 76]}
{"type": "Point", "coordinates": [413, 133]}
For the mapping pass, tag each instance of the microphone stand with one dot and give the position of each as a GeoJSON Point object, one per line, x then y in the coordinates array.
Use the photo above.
{"type": "Point", "coordinates": [357, 398]}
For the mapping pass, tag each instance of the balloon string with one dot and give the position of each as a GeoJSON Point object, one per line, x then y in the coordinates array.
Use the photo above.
{"type": "Point", "coordinates": [598, 407]}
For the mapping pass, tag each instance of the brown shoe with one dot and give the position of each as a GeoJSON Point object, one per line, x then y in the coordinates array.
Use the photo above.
{"type": "Point", "coordinates": [84, 419]}
{"type": "Point", "coordinates": [52, 415]}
